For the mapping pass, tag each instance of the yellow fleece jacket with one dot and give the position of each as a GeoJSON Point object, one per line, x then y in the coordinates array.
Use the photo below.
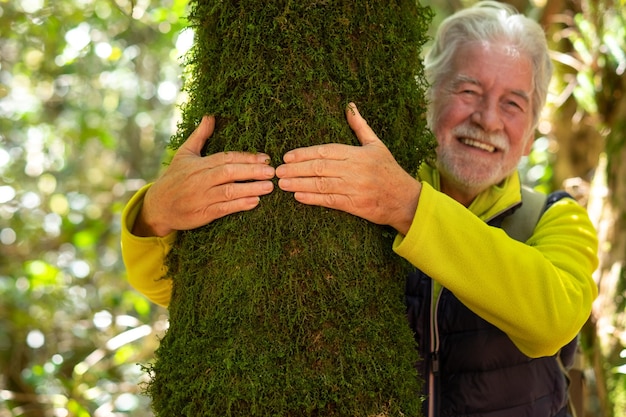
{"type": "Point", "coordinates": [539, 292]}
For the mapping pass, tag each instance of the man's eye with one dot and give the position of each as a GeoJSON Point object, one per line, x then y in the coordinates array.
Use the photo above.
{"type": "Point", "coordinates": [515, 104]}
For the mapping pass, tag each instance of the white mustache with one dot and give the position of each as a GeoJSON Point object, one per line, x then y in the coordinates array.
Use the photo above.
{"type": "Point", "coordinates": [497, 140]}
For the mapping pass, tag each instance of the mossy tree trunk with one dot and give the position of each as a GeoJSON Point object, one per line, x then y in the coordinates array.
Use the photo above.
{"type": "Point", "coordinates": [293, 310]}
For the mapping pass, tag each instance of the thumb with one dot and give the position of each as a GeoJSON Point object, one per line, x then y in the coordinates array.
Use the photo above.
{"type": "Point", "coordinates": [196, 140]}
{"type": "Point", "coordinates": [359, 126]}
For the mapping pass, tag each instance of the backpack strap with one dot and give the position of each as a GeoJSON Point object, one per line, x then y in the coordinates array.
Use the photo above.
{"type": "Point", "coordinates": [521, 224]}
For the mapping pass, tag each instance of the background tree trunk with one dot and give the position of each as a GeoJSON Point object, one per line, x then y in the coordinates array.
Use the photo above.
{"type": "Point", "coordinates": [588, 121]}
{"type": "Point", "coordinates": [606, 326]}
{"type": "Point", "coordinates": [292, 310]}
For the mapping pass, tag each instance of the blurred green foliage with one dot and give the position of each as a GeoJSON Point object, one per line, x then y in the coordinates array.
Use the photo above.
{"type": "Point", "coordinates": [87, 104]}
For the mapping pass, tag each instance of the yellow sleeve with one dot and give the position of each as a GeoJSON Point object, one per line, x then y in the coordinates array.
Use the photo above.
{"type": "Point", "coordinates": [144, 257]}
{"type": "Point", "coordinates": [539, 292]}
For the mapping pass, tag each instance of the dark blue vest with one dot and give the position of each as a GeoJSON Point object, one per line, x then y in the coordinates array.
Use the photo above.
{"type": "Point", "coordinates": [479, 371]}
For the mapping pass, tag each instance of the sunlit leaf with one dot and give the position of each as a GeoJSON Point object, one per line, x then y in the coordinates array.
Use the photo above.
{"type": "Point", "coordinates": [41, 273]}
{"type": "Point", "coordinates": [86, 238]}
{"type": "Point", "coordinates": [124, 354]}
{"type": "Point", "coordinates": [140, 304]}
{"type": "Point", "coordinates": [585, 92]}
{"type": "Point", "coordinates": [77, 409]}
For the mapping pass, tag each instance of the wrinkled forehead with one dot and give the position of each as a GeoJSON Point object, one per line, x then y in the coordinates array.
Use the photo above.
{"type": "Point", "coordinates": [495, 61]}
{"type": "Point", "coordinates": [503, 48]}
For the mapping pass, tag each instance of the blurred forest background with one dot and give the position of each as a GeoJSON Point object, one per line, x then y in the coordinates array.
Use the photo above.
{"type": "Point", "coordinates": [88, 100]}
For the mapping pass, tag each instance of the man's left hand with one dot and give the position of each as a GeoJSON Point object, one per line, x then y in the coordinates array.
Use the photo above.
{"type": "Point", "coordinates": [365, 180]}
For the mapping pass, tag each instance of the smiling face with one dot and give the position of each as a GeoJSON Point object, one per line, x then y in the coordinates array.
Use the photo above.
{"type": "Point", "coordinates": [482, 118]}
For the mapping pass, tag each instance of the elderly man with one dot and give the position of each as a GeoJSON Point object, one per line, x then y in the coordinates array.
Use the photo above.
{"type": "Point", "coordinates": [492, 315]}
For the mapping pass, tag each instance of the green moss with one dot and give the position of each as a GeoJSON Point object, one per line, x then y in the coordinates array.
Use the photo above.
{"type": "Point", "coordinates": [292, 310]}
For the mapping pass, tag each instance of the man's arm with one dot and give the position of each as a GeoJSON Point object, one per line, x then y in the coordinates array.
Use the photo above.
{"type": "Point", "coordinates": [144, 257]}
{"type": "Point", "coordinates": [539, 293]}
{"type": "Point", "coordinates": [192, 192]}
{"type": "Point", "coordinates": [365, 180]}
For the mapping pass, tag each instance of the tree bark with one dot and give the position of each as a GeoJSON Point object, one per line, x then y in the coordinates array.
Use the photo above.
{"type": "Point", "coordinates": [293, 310]}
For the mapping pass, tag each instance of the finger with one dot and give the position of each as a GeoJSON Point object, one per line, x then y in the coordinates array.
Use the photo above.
{"type": "Point", "coordinates": [312, 168]}
{"type": "Point", "coordinates": [222, 209]}
{"type": "Point", "coordinates": [359, 126]}
{"type": "Point", "coordinates": [235, 157]}
{"type": "Point", "coordinates": [332, 151]}
{"type": "Point", "coordinates": [317, 185]}
{"type": "Point", "coordinates": [230, 173]}
{"type": "Point", "coordinates": [206, 214]}
{"type": "Point", "coordinates": [333, 201]}
{"type": "Point", "coordinates": [237, 191]}
{"type": "Point", "coordinates": [232, 198]}
{"type": "Point", "coordinates": [234, 206]}
{"type": "Point", "coordinates": [196, 140]}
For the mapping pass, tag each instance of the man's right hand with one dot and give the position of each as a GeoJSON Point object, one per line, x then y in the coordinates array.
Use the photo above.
{"type": "Point", "coordinates": [195, 190]}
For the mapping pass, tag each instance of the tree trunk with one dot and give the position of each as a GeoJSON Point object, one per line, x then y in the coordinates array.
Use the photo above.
{"type": "Point", "coordinates": [589, 124]}
{"type": "Point", "coordinates": [608, 211]}
{"type": "Point", "coordinates": [293, 310]}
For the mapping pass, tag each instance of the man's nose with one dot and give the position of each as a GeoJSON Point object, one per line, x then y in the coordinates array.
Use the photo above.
{"type": "Point", "coordinates": [487, 115]}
